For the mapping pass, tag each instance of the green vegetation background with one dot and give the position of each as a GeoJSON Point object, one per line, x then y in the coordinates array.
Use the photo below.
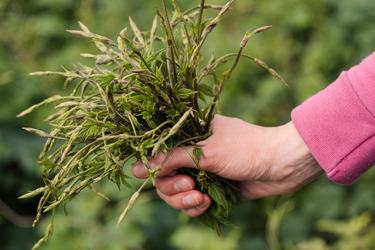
{"type": "Point", "coordinates": [311, 42]}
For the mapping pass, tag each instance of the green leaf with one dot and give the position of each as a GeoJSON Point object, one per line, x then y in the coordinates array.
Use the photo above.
{"type": "Point", "coordinates": [198, 152]}
{"type": "Point", "coordinates": [159, 74]}
{"type": "Point", "coordinates": [180, 107]}
{"type": "Point", "coordinates": [184, 93]}
{"type": "Point", "coordinates": [172, 113]}
{"type": "Point", "coordinates": [146, 115]}
{"type": "Point", "coordinates": [202, 97]}
{"type": "Point", "coordinates": [47, 163]}
{"type": "Point", "coordinates": [217, 193]}
{"type": "Point", "coordinates": [206, 89]}
{"type": "Point", "coordinates": [126, 183]}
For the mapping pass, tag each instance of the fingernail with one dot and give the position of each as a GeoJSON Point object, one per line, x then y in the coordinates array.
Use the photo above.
{"type": "Point", "coordinates": [190, 201]}
{"type": "Point", "coordinates": [203, 206]}
{"type": "Point", "coordinates": [139, 169]}
{"type": "Point", "coordinates": [182, 185]}
{"type": "Point", "coordinates": [206, 203]}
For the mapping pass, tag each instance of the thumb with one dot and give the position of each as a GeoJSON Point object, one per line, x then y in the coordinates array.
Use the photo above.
{"type": "Point", "coordinates": [169, 163]}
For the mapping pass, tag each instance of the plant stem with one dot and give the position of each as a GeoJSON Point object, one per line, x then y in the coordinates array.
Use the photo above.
{"type": "Point", "coordinates": [132, 200]}
{"type": "Point", "coordinates": [169, 28]}
{"type": "Point", "coordinates": [171, 42]}
{"type": "Point", "coordinates": [199, 23]}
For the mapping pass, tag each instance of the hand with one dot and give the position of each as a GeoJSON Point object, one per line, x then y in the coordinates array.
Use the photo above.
{"type": "Point", "coordinates": [264, 161]}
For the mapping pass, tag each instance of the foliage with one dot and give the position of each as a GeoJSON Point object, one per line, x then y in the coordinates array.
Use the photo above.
{"type": "Point", "coordinates": [138, 99]}
{"type": "Point", "coordinates": [310, 43]}
{"type": "Point", "coordinates": [355, 233]}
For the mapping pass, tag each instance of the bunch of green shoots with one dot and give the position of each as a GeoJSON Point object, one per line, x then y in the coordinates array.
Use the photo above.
{"type": "Point", "coordinates": [144, 94]}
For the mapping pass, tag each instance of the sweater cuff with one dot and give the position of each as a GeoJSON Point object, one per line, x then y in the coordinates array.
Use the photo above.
{"type": "Point", "coordinates": [338, 123]}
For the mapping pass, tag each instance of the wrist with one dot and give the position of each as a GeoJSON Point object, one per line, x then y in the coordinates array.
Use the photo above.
{"type": "Point", "coordinates": [295, 160]}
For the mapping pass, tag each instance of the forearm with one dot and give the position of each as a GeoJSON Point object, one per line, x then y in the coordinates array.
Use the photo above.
{"type": "Point", "coordinates": [338, 124]}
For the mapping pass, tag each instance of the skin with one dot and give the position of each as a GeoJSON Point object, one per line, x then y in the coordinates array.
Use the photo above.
{"type": "Point", "coordinates": [266, 161]}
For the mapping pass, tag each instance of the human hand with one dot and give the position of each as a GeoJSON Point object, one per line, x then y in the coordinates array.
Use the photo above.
{"type": "Point", "coordinates": [264, 161]}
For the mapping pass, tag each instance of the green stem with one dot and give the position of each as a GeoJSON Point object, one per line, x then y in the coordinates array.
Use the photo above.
{"type": "Point", "coordinates": [199, 23]}
{"type": "Point", "coordinates": [206, 32]}
{"type": "Point", "coordinates": [193, 158]}
{"type": "Point", "coordinates": [235, 62]}
{"type": "Point", "coordinates": [183, 21]}
{"type": "Point", "coordinates": [171, 42]}
{"type": "Point", "coordinates": [143, 60]}
{"type": "Point", "coordinates": [174, 129]}
{"type": "Point", "coordinates": [169, 28]}
{"type": "Point", "coordinates": [256, 60]}
{"type": "Point", "coordinates": [132, 200]}
{"type": "Point", "coordinates": [212, 6]}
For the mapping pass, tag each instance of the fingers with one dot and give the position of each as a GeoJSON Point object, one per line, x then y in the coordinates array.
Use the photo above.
{"type": "Point", "coordinates": [196, 211]}
{"type": "Point", "coordinates": [192, 203]}
{"type": "Point", "coordinates": [178, 192]}
{"type": "Point", "coordinates": [174, 184]}
{"type": "Point", "coordinates": [139, 170]}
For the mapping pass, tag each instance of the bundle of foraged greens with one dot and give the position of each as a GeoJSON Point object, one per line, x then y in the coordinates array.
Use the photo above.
{"type": "Point", "coordinates": [134, 102]}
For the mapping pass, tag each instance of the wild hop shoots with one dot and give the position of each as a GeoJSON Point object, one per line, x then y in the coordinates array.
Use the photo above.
{"type": "Point", "coordinates": [145, 93]}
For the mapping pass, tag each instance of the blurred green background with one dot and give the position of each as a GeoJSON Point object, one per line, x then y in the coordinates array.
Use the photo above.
{"type": "Point", "coordinates": [310, 43]}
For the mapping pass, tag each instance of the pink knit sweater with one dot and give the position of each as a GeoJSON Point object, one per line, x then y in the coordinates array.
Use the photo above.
{"type": "Point", "coordinates": [338, 123]}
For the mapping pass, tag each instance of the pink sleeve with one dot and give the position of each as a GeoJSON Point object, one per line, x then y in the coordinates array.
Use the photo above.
{"type": "Point", "coordinates": [338, 123]}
